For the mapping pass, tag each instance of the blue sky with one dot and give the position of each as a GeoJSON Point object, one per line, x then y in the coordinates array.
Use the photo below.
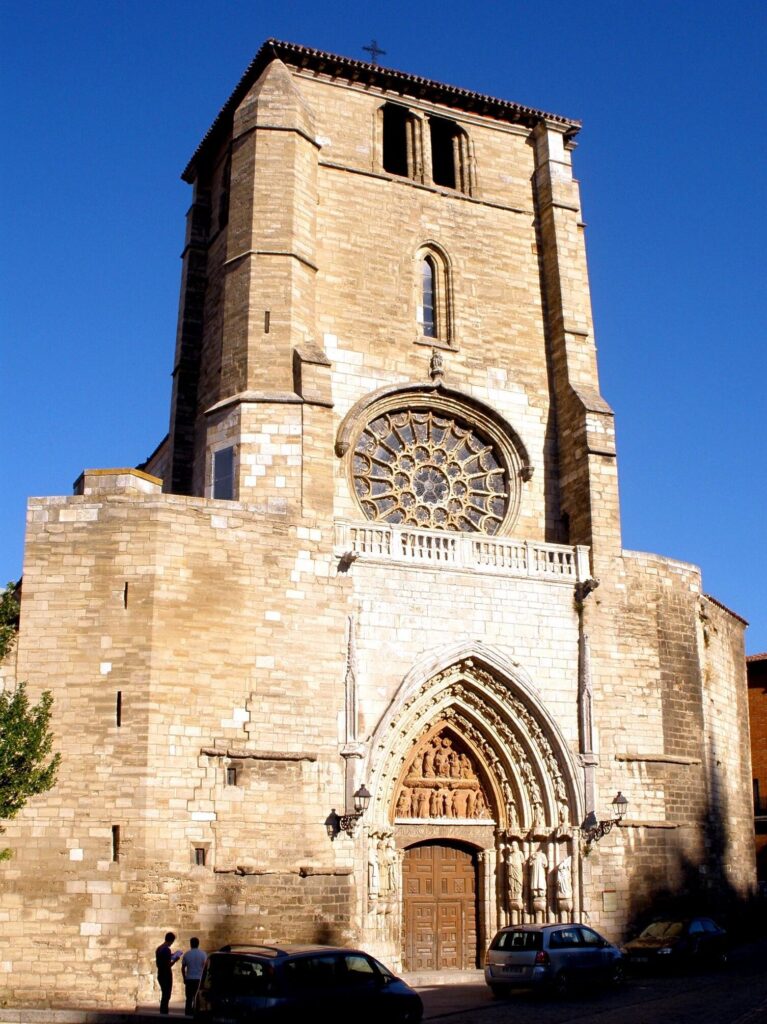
{"type": "Point", "coordinates": [103, 103]}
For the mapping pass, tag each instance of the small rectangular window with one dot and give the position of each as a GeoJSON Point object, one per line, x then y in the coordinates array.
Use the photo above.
{"type": "Point", "coordinates": [200, 856]}
{"type": "Point", "coordinates": [115, 842]}
{"type": "Point", "coordinates": [223, 474]}
{"type": "Point", "coordinates": [231, 776]}
{"type": "Point", "coordinates": [119, 708]}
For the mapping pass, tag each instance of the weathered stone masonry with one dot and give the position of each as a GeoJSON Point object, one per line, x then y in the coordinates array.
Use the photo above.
{"type": "Point", "coordinates": [381, 544]}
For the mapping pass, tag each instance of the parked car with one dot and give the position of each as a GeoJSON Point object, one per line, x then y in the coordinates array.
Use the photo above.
{"type": "Point", "coordinates": [301, 983]}
{"type": "Point", "coordinates": [557, 955]}
{"type": "Point", "coordinates": [678, 942]}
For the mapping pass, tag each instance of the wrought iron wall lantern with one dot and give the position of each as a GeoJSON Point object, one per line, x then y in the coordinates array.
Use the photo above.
{"type": "Point", "coordinates": [595, 830]}
{"type": "Point", "coordinates": [348, 822]}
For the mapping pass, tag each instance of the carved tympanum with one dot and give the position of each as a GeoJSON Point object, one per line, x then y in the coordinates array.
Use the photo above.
{"type": "Point", "coordinates": [442, 782]}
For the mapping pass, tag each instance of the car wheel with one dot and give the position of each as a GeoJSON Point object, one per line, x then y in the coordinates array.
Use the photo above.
{"type": "Point", "coordinates": [562, 984]}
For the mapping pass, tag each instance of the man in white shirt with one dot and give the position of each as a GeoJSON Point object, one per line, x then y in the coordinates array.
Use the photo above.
{"type": "Point", "coordinates": [191, 970]}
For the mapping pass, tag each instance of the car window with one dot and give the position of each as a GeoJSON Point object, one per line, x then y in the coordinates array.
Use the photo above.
{"type": "Point", "coordinates": [359, 970]}
{"type": "Point", "coordinates": [312, 972]}
{"type": "Point", "coordinates": [590, 937]}
{"type": "Point", "coordinates": [709, 925]}
{"type": "Point", "coordinates": [238, 975]}
{"type": "Point", "coordinates": [662, 930]}
{"type": "Point", "coordinates": [566, 938]}
{"type": "Point", "coordinates": [696, 928]}
{"type": "Point", "coordinates": [517, 940]}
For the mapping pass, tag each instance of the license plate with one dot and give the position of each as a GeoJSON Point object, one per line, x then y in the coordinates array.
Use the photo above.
{"type": "Point", "coordinates": [641, 959]}
{"type": "Point", "coordinates": [509, 969]}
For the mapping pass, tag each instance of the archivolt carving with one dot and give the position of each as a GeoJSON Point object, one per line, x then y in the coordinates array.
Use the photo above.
{"type": "Point", "coordinates": [526, 774]}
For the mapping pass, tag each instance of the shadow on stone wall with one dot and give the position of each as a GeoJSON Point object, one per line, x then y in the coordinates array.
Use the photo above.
{"type": "Point", "coordinates": [686, 887]}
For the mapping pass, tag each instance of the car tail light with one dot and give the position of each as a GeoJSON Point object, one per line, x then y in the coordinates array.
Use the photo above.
{"type": "Point", "coordinates": [542, 959]}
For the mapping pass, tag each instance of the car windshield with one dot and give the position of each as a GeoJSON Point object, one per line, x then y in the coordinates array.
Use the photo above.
{"type": "Point", "coordinates": [244, 976]}
{"type": "Point", "coordinates": [663, 930]}
{"type": "Point", "coordinates": [518, 940]}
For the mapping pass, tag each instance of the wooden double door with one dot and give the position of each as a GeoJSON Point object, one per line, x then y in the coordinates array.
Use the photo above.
{"type": "Point", "coordinates": [440, 907]}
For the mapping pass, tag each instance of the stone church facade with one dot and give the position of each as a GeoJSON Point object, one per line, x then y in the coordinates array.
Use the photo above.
{"type": "Point", "coordinates": [379, 550]}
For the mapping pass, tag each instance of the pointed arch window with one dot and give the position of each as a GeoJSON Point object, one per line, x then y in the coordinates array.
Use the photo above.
{"type": "Point", "coordinates": [434, 297]}
{"type": "Point", "coordinates": [428, 320]}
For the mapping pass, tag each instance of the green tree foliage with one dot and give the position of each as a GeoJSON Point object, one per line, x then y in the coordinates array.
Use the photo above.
{"type": "Point", "coordinates": [25, 745]}
{"type": "Point", "coordinates": [9, 618]}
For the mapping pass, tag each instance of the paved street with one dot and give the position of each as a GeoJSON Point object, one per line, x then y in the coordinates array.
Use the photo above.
{"type": "Point", "coordinates": [736, 995]}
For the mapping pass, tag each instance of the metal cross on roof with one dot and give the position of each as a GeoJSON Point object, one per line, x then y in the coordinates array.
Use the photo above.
{"type": "Point", "coordinates": [375, 51]}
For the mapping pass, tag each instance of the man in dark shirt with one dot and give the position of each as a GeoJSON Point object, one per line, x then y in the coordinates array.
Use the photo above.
{"type": "Point", "coordinates": [165, 959]}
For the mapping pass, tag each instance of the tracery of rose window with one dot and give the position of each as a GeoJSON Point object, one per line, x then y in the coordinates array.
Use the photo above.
{"type": "Point", "coordinates": [427, 469]}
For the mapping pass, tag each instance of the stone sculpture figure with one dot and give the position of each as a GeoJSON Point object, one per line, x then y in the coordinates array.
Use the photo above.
{"type": "Point", "coordinates": [565, 886]}
{"type": "Point", "coordinates": [435, 806]}
{"type": "Point", "coordinates": [374, 875]}
{"type": "Point", "coordinates": [442, 758]}
{"type": "Point", "coordinates": [471, 800]}
{"type": "Point", "coordinates": [391, 865]}
{"type": "Point", "coordinates": [383, 874]}
{"type": "Point", "coordinates": [480, 805]}
{"type": "Point", "coordinates": [404, 804]}
{"type": "Point", "coordinates": [539, 864]}
{"type": "Point", "coordinates": [564, 879]}
{"type": "Point", "coordinates": [515, 862]}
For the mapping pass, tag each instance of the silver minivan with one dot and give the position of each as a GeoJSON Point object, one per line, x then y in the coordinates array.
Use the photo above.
{"type": "Point", "coordinates": [557, 955]}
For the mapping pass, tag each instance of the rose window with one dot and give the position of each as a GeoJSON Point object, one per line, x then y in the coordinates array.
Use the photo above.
{"type": "Point", "coordinates": [422, 468]}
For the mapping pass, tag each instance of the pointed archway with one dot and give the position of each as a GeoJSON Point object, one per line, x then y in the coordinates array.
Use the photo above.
{"type": "Point", "coordinates": [468, 754]}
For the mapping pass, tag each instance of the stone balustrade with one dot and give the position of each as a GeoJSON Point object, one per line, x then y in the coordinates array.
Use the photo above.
{"type": "Point", "coordinates": [445, 549]}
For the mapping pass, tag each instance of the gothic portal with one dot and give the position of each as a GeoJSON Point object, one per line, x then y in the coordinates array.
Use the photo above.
{"type": "Point", "coordinates": [378, 552]}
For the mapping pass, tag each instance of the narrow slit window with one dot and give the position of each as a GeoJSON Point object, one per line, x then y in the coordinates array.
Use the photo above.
{"type": "Point", "coordinates": [200, 856]}
{"type": "Point", "coordinates": [115, 842]}
{"type": "Point", "coordinates": [231, 776]}
{"type": "Point", "coordinates": [223, 474]}
{"type": "Point", "coordinates": [119, 708]}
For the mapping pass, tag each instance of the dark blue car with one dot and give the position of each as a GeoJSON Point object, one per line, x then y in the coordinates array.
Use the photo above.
{"type": "Point", "coordinates": [301, 983]}
{"type": "Point", "coordinates": [680, 942]}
